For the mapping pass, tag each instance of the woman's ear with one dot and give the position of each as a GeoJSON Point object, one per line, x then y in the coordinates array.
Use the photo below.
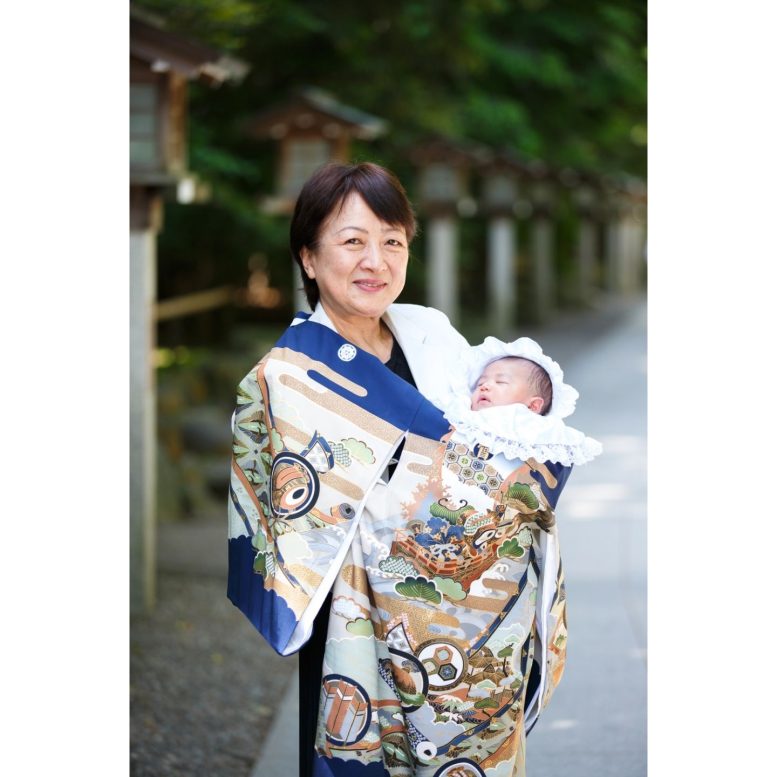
{"type": "Point", "coordinates": [535, 404]}
{"type": "Point", "coordinates": [307, 264]}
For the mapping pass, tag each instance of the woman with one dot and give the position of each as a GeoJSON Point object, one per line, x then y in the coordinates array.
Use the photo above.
{"type": "Point", "coordinates": [361, 531]}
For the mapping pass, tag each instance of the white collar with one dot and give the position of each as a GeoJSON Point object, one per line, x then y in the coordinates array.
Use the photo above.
{"type": "Point", "coordinates": [406, 333]}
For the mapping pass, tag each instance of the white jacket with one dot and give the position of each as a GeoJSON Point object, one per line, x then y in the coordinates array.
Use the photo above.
{"type": "Point", "coordinates": [430, 342]}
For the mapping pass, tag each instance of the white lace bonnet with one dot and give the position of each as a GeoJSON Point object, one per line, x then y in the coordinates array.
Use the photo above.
{"type": "Point", "coordinates": [514, 429]}
{"type": "Point", "coordinates": [490, 350]}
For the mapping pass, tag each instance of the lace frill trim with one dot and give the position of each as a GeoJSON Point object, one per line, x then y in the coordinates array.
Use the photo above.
{"type": "Point", "coordinates": [565, 453]}
{"type": "Point", "coordinates": [514, 430]}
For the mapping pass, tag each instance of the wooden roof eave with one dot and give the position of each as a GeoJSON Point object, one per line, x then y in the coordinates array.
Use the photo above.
{"type": "Point", "coordinates": [165, 50]}
{"type": "Point", "coordinates": [357, 123]}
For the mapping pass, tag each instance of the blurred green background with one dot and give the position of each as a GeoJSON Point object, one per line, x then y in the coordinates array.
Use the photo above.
{"type": "Point", "coordinates": [553, 80]}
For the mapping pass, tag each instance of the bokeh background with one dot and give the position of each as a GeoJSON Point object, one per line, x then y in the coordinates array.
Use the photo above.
{"type": "Point", "coordinates": [519, 129]}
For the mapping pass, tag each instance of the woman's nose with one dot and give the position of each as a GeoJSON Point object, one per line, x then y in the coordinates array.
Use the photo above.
{"type": "Point", "coordinates": [372, 257]}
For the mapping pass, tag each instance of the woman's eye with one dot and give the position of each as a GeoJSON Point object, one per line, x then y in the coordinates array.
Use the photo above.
{"type": "Point", "coordinates": [352, 241]}
{"type": "Point", "coordinates": [393, 242]}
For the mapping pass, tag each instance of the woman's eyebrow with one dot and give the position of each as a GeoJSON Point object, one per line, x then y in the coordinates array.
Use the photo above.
{"type": "Point", "coordinates": [361, 229]}
{"type": "Point", "coordinates": [358, 229]}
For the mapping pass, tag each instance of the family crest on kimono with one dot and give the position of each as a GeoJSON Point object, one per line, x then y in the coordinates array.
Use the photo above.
{"type": "Point", "coordinates": [388, 525]}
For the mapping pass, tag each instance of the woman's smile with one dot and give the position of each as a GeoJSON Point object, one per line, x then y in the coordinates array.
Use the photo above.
{"type": "Point", "coordinates": [370, 286]}
{"type": "Point", "coordinates": [359, 263]}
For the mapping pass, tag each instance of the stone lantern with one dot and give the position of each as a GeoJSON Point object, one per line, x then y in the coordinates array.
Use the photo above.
{"type": "Point", "coordinates": [310, 129]}
{"type": "Point", "coordinates": [442, 196]}
{"type": "Point", "coordinates": [161, 65]}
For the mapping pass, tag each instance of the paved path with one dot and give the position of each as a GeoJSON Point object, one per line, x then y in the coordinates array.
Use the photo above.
{"type": "Point", "coordinates": [596, 722]}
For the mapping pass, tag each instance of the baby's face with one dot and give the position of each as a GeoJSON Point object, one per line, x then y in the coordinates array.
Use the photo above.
{"type": "Point", "coordinates": [503, 382]}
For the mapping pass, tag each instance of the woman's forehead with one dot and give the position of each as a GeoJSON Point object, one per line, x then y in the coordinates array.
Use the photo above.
{"type": "Point", "coordinates": [353, 212]}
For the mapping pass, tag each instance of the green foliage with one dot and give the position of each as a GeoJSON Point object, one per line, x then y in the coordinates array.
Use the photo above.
{"type": "Point", "coordinates": [564, 81]}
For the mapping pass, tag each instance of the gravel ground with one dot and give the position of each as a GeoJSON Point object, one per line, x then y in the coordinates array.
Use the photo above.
{"type": "Point", "coordinates": [202, 683]}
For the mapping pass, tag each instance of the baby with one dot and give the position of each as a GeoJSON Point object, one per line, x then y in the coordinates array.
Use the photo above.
{"type": "Point", "coordinates": [511, 398]}
{"type": "Point", "coordinates": [514, 379]}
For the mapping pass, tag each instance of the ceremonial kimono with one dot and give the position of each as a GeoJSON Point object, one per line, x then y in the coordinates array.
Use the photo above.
{"type": "Point", "coordinates": [446, 578]}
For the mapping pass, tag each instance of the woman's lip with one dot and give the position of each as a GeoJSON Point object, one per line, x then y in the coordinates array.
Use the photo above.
{"type": "Point", "coordinates": [370, 285]}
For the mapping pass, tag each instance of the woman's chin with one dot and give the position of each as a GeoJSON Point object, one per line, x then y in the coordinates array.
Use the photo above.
{"type": "Point", "coordinates": [372, 304]}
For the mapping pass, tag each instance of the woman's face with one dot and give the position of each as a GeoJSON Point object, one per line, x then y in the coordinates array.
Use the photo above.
{"type": "Point", "coordinates": [359, 263]}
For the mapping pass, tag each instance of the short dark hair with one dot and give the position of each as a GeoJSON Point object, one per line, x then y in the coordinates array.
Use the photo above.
{"type": "Point", "coordinates": [327, 190]}
{"type": "Point", "coordinates": [540, 382]}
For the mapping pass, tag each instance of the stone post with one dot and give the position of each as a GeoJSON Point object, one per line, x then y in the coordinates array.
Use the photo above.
{"type": "Point", "coordinates": [616, 243]}
{"type": "Point", "coordinates": [145, 216]}
{"type": "Point", "coordinates": [586, 244]}
{"type": "Point", "coordinates": [542, 250]}
{"type": "Point", "coordinates": [442, 283]}
{"type": "Point", "coordinates": [499, 196]}
{"type": "Point", "coordinates": [443, 198]}
{"type": "Point", "coordinates": [502, 286]}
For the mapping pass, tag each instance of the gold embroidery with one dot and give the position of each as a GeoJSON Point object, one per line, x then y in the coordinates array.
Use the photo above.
{"type": "Point", "coordinates": [298, 359]}
{"type": "Point", "coordinates": [444, 619]}
{"type": "Point", "coordinates": [491, 603]}
{"type": "Point", "coordinates": [342, 407]}
{"type": "Point", "coordinates": [297, 599]}
{"type": "Point", "coordinates": [356, 578]}
{"type": "Point", "coordinates": [423, 446]}
{"type": "Point", "coordinates": [309, 579]}
{"type": "Point", "coordinates": [342, 485]}
{"type": "Point", "coordinates": [289, 431]}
